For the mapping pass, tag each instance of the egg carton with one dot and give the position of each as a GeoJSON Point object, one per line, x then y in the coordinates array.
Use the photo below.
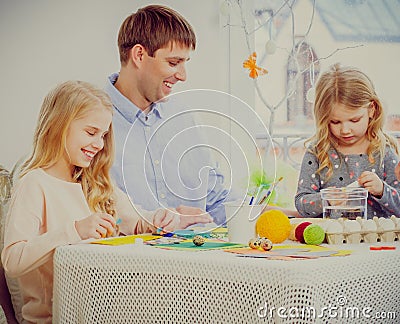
{"type": "Point", "coordinates": [378, 229]}
{"type": "Point", "coordinates": [342, 231]}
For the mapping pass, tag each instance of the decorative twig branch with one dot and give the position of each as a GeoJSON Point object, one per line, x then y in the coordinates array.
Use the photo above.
{"type": "Point", "coordinates": [292, 53]}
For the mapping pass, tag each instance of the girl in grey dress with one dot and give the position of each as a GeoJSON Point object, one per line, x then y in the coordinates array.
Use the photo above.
{"type": "Point", "coordinates": [349, 145]}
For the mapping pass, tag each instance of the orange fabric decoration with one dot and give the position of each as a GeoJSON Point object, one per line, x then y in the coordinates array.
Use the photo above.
{"type": "Point", "coordinates": [251, 64]}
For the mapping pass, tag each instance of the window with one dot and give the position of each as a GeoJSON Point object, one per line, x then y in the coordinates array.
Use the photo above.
{"type": "Point", "coordinates": [299, 83]}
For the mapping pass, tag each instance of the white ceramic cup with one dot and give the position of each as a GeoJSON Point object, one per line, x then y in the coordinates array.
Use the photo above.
{"type": "Point", "coordinates": [241, 221]}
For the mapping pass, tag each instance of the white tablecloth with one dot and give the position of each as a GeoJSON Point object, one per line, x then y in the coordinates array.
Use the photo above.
{"type": "Point", "coordinates": [125, 284]}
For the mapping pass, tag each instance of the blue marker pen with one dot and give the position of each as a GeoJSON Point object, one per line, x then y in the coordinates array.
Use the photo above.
{"type": "Point", "coordinates": [251, 200]}
{"type": "Point", "coordinates": [168, 234]}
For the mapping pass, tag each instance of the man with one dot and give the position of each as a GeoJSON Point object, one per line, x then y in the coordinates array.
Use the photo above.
{"type": "Point", "coordinates": [160, 158]}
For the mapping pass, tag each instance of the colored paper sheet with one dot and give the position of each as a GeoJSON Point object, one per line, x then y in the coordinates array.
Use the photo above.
{"type": "Point", "coordinates": [290, 252]}
{"type": "Point", "coordinates": [129, 239]}
{"type": "Point", "coordinates": [188, 245]}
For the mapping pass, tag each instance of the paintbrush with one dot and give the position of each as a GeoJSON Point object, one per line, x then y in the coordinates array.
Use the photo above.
{"type": "Point", "coordinates": [269, 194]}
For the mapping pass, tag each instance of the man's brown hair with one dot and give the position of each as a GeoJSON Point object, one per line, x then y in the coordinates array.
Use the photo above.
{"type": "Point", "coordinates": [154, 27]}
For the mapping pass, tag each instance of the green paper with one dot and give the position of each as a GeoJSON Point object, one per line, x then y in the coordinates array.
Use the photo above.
{"type": "Point", "coordinates": [189, 245]}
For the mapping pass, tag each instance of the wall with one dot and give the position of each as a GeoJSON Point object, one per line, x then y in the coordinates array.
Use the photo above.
{"type": "Point", "coordinates": [44, 42]}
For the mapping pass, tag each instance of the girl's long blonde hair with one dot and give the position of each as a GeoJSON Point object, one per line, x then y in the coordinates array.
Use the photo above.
{"type": "Point", "coordinates": [352, 88]}
{"type": "Point", "coordinates": [69, 101]}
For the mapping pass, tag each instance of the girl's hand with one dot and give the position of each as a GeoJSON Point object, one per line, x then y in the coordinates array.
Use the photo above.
{"type": "Point", "coordinates": [336, 197]}
{"type": "Point", "coordinates": [397, 171]}
{"type": "Point", "coordinates": [97, 225]}
{"type": "Point", "coordinates": [370, 181]}
{"type": "Point", "coordinates": [182, 217]}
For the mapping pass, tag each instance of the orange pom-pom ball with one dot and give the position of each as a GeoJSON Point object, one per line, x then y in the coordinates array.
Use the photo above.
{"type": "Point", "coordinates": [274, 225]}
{"type": "Point", "coordinates": [292, 235]}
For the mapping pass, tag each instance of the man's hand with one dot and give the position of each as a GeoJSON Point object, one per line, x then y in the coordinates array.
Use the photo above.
{"type": "Point", "coordinates": [193, 215]}
{"type": "Point", "coordinates": [169, 220]}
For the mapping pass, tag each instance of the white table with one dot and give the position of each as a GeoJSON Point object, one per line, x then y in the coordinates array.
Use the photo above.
{"type": "Point", "coordinates": [124, 284]}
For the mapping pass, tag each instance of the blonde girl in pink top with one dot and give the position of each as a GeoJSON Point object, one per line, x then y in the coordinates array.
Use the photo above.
{"type": "Point", "coordinates": [65, 194]}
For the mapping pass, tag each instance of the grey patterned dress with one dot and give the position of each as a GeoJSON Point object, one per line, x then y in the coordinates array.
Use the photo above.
{"type": "Point", "coordinates": [346, 169]}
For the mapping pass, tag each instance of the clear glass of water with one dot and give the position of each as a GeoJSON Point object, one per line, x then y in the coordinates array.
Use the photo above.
{"type": "Point", "coordinates": [346, 202]}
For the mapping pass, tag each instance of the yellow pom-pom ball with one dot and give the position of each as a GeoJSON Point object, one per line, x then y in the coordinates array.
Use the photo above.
{"type": "Point", "coordinates": [274, 225]}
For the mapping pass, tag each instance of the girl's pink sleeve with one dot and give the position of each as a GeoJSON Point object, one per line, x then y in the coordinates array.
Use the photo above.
{"type": "Point", "coordinates": [26, 243]}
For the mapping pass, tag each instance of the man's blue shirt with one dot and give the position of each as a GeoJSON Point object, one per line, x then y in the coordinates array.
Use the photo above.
{"type": "Point", "coordinates": [162, 159]}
